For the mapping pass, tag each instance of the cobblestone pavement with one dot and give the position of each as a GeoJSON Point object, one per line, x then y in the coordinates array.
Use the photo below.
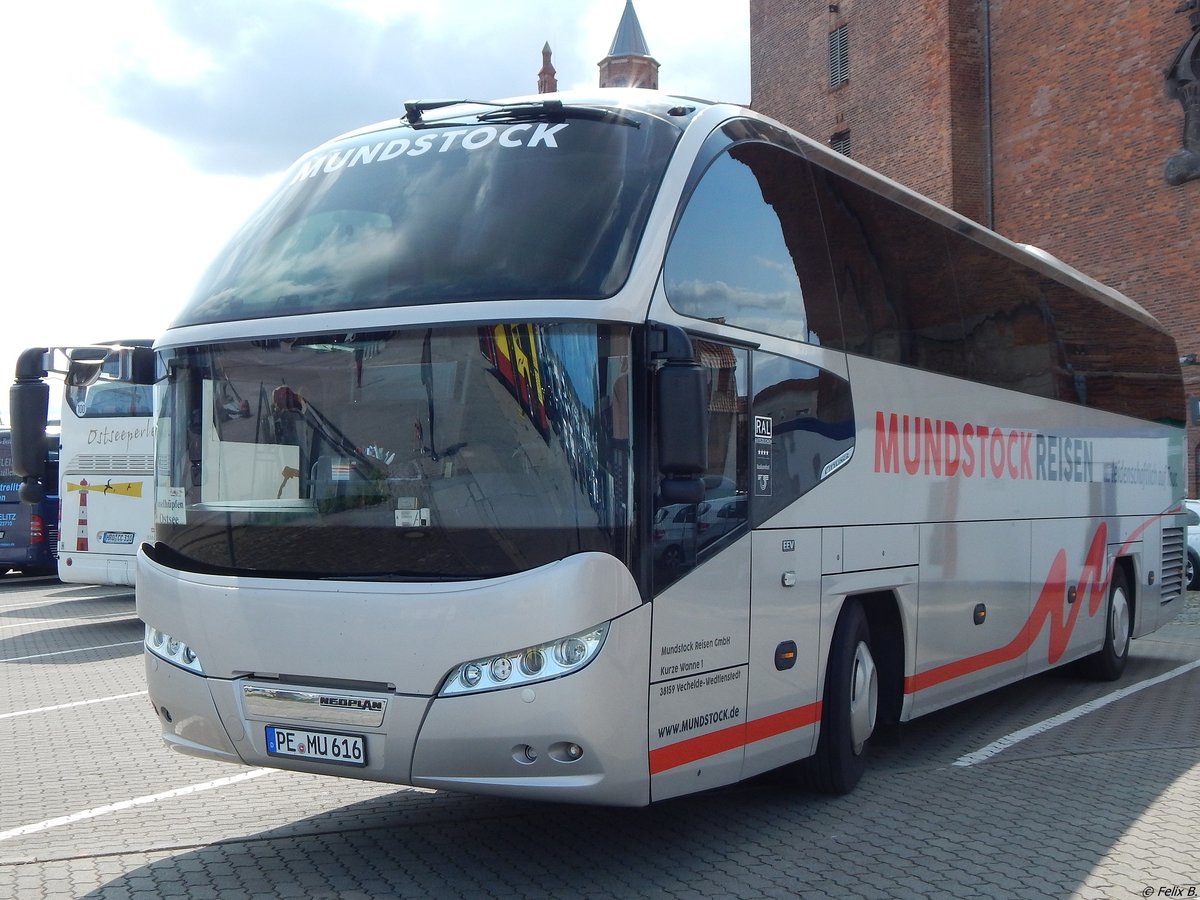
{"type": "Point", "coordinates": [1104, 804]}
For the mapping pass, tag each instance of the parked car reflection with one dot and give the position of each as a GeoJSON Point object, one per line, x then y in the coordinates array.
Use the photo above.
{"type": "Point", "coordinates": [1192, 569]}
{"type": "Point", "coordinates": [683, 530]}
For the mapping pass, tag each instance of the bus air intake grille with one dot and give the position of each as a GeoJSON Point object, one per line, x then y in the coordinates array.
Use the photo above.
{"type": "Point", "coordinates": [1172, 564]}
{"type": "Point", "coordinates": [115, 462]}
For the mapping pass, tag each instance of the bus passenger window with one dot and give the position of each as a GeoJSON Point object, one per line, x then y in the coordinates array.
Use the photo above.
{"type": "Point", "coordinates": [749, 249]}
{"type": "Point", "coordinates": [804, 430]}
{"type": "Point", "coordinates": [899, 299]}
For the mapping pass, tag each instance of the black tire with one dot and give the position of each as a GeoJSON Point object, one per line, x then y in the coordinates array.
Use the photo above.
{"type": "Point", "coordinates": [1107, 663]}
{"type": "Point", "coordinates": [1192, 571]}
{"type": "Point", "coordinates": [851, 703]}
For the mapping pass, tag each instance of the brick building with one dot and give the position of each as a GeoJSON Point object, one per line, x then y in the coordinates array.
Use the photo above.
{"type": "Point", "coordinates": [1048, 122]}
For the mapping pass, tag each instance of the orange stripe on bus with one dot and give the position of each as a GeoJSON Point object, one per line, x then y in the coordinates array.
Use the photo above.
{"type": "Point", "coordinates": [789, 720]}
{"type": "Point", "coordinates": [706, 745]}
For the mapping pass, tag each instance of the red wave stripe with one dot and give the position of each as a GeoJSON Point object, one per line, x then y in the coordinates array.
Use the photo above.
{"type": "Point", "coordinates": [705, 745]}
{"type": "Point", "coordinates": [1093, 583]}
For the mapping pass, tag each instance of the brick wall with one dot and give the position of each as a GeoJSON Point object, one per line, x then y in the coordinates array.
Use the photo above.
{"type": "Point", "coordinates": [1080, 126]}
{"type": "Point", "coordinates": [900, 79]}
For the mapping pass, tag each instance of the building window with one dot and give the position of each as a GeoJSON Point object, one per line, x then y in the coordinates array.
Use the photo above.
{"type": "Point", "coordinates": [839, 57]}
{"type": "Point", "coordinates": [841, 142]}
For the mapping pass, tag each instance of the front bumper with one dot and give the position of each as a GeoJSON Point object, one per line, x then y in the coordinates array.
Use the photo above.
{"type": "Point", "coordinates": [517, 742]}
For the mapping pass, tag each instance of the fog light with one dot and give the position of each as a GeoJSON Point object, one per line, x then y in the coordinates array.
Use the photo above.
{"type": "Point", "coordinates": [566, 752]}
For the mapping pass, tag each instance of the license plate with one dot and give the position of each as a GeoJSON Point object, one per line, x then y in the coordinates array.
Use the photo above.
{"type": "Point", "coordinates": [326, 746]}
{"type": "Point", "coordinates": [116, 537]}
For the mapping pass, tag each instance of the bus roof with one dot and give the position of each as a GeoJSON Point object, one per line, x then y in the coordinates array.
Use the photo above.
{"type": "Point", "coordinates": [667, 104]}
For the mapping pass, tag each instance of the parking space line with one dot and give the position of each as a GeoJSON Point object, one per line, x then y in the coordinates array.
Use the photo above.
{"type": "Point", "coordinates": [42, 709]}
{"type": "Point", "coordinates": [23, 603]}
{"type": "Point", "coordinates": [1070, 715]}
{"type": "Point", "coordinates": [129, 804]}
{"type": "Point", "coordinates": [63, 652]}
{"type": "Point", "coordinates": [32, 622]}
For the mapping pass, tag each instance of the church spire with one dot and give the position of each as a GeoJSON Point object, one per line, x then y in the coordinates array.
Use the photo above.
{"type": "Point", "coordinates": [547, 82]}
{"type": "Point", "coordinates": [629, 63]}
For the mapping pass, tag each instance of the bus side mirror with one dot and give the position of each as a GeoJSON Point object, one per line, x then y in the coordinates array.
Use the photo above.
{"type": "Point", "coordinates": [29, 400]}
{"type": "Point", "coordinates": [32, 491]}
{"type": "Point", "coordinates": [681, 394]}
{"type": "Point", "coordinates": [136, 365]}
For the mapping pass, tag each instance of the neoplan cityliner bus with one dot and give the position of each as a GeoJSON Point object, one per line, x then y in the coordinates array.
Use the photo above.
{"type": "Point", "coordinates": [418, 424]}
{"type": "Point", "coordinates": [105, 476]}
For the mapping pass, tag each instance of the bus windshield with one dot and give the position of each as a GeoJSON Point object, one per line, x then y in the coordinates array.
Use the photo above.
{"type": "Point", "coordinates": [443, 452]}
{"type": "Point", "coordinates": [94, 389]}
{"type": "Point", "coordinates": [466, 210]}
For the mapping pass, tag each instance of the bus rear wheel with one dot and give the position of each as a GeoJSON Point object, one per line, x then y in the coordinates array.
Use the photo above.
{"type": "Point", "coordinates": [1107, 663]}
{"type": "Point", "coordinates": [850, 707]}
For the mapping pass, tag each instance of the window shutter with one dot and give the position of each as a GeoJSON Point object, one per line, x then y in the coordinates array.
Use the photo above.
{"type": "Point", "coordinates": [839, 57]}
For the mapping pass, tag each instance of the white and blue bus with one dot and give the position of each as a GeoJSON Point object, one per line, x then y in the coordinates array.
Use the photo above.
{"type": "Point", "coordinates": [609, 447]}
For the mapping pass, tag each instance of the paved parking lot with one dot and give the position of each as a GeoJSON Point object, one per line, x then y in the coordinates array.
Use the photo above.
{"type": "Point", "coordinates": [1056, 787]}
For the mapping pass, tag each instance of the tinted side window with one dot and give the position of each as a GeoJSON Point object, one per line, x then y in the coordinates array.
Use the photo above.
{"type": "Point", "coordinates": [917, 293]}
{"type": "Point", "coordinates": [749, 249]}
{"type": "Point", "coordinates": [1009, 327]}
{"type": "Point", "coordinates": [803, 430]}
{"type": "Point", "coordinates": [1030, 333]}
{"type": "Point", "coordinates": [894, 280]}
{"type": "Point", "coordinates": [1112, 362]}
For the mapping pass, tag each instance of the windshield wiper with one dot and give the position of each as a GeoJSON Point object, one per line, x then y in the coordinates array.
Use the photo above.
{"type": "Point", "coordinates": [534, 111]}
{"type": "Point", "coordinates": [556, 111]}
{"type": "Point", "coordinates": [414, 109]}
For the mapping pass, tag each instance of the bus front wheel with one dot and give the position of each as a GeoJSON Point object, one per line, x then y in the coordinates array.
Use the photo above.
{"type": "Point", "coordinates": [849, 708]}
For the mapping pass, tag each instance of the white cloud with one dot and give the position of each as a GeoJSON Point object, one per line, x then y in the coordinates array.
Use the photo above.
{"type": "Point", "coordinates": [142, 133]}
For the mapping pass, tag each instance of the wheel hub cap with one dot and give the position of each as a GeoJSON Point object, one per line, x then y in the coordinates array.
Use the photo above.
{"type": "Point", "coordinates": [864, 696]}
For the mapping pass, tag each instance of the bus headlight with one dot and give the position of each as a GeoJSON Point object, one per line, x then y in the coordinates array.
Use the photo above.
{"type": "Point", "coordinates": [172, 650]}
{"type": "Point", "coordinates": [527, 665]}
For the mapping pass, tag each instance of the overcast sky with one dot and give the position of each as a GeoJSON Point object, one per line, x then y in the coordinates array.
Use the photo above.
{"type": "Point", "coordinates": [142, 132]}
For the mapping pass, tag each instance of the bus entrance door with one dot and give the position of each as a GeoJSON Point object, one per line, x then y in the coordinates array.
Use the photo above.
{"type": "Point", "coordinates": [698, 675]}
